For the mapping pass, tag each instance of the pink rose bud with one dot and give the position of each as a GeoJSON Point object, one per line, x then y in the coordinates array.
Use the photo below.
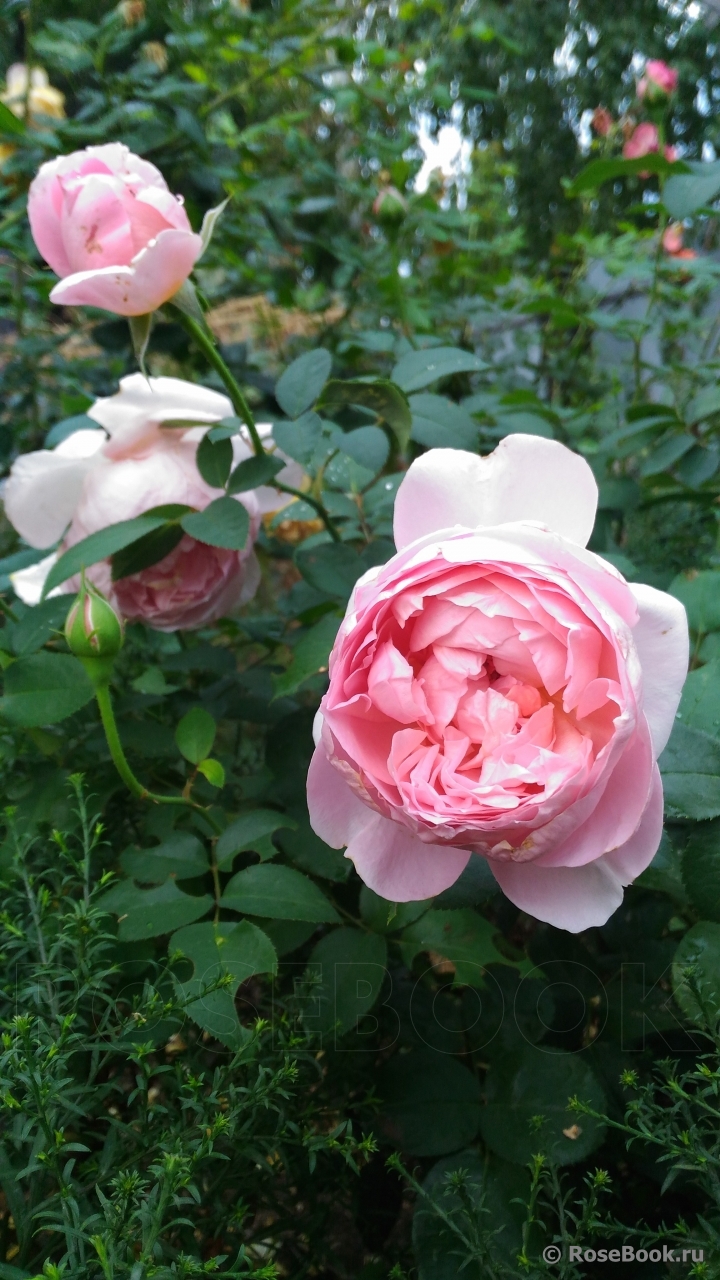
{"type": "Point", "coordinates": [108, 226]}
{"type": "Point", "coordinates": [659, 81]}
{"type": "Point", "coordinates": [498, 691]}
{"type": "Point", "coordinates": [602, 121]}
{"type": "Point", "coordinates": [97, 478]}
{"type": "Point", "coordinates": [94, 633]}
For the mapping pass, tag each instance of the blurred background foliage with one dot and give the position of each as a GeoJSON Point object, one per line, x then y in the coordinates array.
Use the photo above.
{"type": "Point", "coordinates": [150, 1126]}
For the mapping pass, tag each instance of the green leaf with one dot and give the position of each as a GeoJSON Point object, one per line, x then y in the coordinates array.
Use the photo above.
{"type": "Point", "coordinates": [213, 771]}
{"type": "Point", "coordinates": [476, 884]}
{"type": "Point", "coordinates": [299, 386]}
{"type": "Point", "coordinates": [148, 913]}
{"type": "Point", "coordinates": [233, 952]}
{"type": "Point", "coordinates": [666, 454]}
{"type": "Point", "coordinates": [684, 193]}
{"type": "Point", "coordinates": [9, 123]}
{"type": "Point", "coordinates": [214, 460]}
{"type": "Point", "coordinates": [299, 439]}
{"type": "Point", "coordinates": [527, 1092]}
{"type": "Point", "coordinates": [600, 171]}
{"type": "Point", "coordinates": [250, 832]}
{"type": "Point", "coordinates": [494, 1192]}
{"type": "Point", "coordinates": [99, 546]}
{"type": "Point", "coordinates": [147, 551]}
{"type": "Point", "coordinates": [44, 688]}
{"type": "Point", "coordinates": [701, 869]}
{"type": "Point", "coordinates": [348, 969]}
{"type": "Point", "coordinates": [700, 593]}
{"type": "Point", "coordinates": [385, 399]}
{"type": "Point", "coordinates": [253, 472]}
{"type": "Point", "coordinates": [195, 735]}
{"type": "Point", "coordinates": [664, 873]}
{"type": "Point", "coordinates": [690, 768]}
{"type": "Point", "coordinates": [311, 854]}
{"type": "Point", "coordinates": [418, 369]}
{"type": "Point", "coordinates": [439, 423]}
{"type": "Point", "coordinates": [310, 656]}
{"type": "Point", "coordinates": [278, 893]}
{"type": "Point", "coordinates": [182, 856]}
{"type": "Point", "coordinates": [332, 568]}
{"type": "Point", "coordinates": [700, 701]}
{"type": "Point", "coordinates": [367, 445]}
{"type": "Point", "coordinates": [36, 626]}
{"type": "Point", "coordinates": [698, 951]}
{"type": "Point", "coordinates": [224, 523]}
{"type": "Point", "coordinates": [431, 1104]}
{"type": "Point", "coordinates": [463, 937]}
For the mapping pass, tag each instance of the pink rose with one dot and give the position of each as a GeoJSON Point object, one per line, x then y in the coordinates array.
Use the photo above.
{"type": "Point", "coordinates": [94, 479]}
{"type": "Point", "coordinates": [659, 81]}
{"type": "Point", "coordinates": [642, 141]}
{"type": "Point", "coordinates": [496, 690]}
{"type": "Point", "coordinates": [106, 223]}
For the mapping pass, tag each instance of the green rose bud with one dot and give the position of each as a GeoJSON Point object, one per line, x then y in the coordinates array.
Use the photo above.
{"type": "Point", "coordinates": [94, 633]}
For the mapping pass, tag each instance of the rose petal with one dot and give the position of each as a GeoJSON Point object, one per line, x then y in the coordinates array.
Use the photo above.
{"type": "Point", "coordinates": [336, 813]}
{"type": "Point", "coordinates": [638, 852]}
{"type": "Point", "coordinates": [525, 478]}
{"type": "Point", "coordinates": [572, 898]}
{"type": "Point", "coordinates": [394, 863]}
{"type": "Point", "coordinates": [43, 490]}
{"type": "Point", "coordinates": [28, 583]}
{"type": "Point", "coordinates": [661, 638]}
{"type": "Point", "coordinates": [155, 275]}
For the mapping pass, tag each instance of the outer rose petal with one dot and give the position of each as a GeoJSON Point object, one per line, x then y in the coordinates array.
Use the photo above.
{"type": "Point", "coordinates": [28, 583]}
{"type": "Point", "coordinates": [44, 487]}
{"type": "Point", "coordinates": [156, 274]}
{"type": "Point", "coordinates": [44, 205]}
{"type": "Point", "coordinates": [394, 863]}
{"type": "Point", "coordinates": [142, 399]}
{"type": "Point", "coordinates": [661, 638]}
{"type": "Point", "coordinates": [525, 478]}
{"type": "Point", "coordinates": [577, 898]}
{"type": "Point", "coordinates": [336, 813]}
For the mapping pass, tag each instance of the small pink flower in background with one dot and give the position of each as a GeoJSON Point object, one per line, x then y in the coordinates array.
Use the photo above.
{"type": "Point", "coordinates": [643, 140]}
{"type": "Point", "coordinates": [673, 242]}
{"type": "Point", "coordinates": [498, 691]}
{"type": "Point", "coordinates": [602, 121]}
{"type": "Point", "coordinates": [107, 224]}
{"type": "Point", "coordinates": [659, 81]}
{"type": "Point", "coordinates": [97, 478]}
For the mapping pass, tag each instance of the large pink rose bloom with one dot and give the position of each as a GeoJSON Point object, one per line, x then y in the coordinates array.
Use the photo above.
{"type": "Point", "coordinates": [659, 81]}
{"type": "Point", "coordinates": [498, 691]}
{"type": "Point", "coordinates": [97, 478]}
{"type": "Point", "coordinates": [106, 223]}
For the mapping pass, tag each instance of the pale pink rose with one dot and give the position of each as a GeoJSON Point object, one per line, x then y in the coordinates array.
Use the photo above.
{"type": "Point", "coordinates": [498, 691]}
{"type": "Point", "coordinates": [105, 221]}
{"type": "Point", "coordinates": [659, 81]}
{"type": "Point", "coordinates": [97, 478]}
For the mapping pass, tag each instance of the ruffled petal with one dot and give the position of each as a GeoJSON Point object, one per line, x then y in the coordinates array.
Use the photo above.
{"type": "Point", "coordinates": [154, 276]}
{"type": "Point", "coordinates": [661, 638]}
{"type": "Point", "coordinates": [525, 478]}
{"type": "Point", "coordinates": [392, 861]}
